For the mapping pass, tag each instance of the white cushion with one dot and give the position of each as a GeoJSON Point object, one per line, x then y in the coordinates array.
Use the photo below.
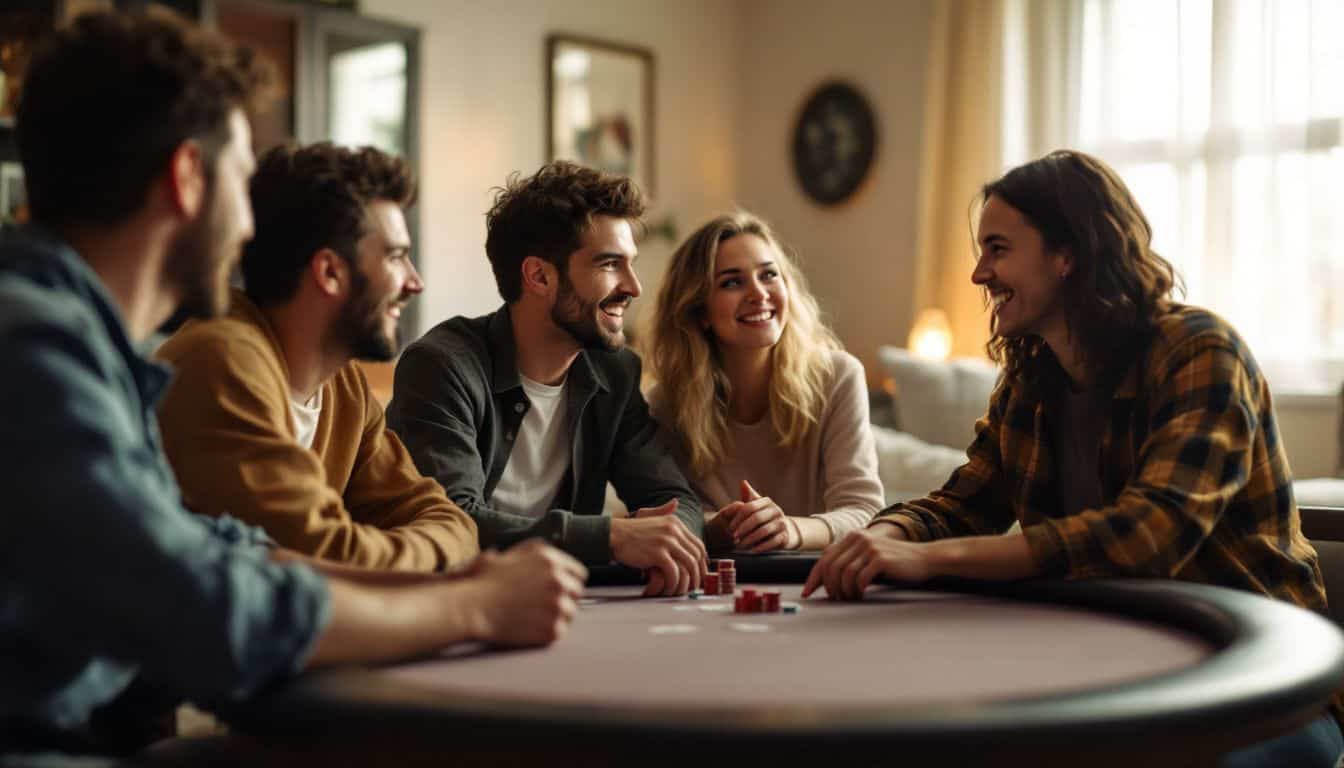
{"type": "Point", "coordinates": [1319, 492]}
{"type": "Point", "coordinates": [909, 467]}
{"type": "Point", "coordinates": [939, 401]}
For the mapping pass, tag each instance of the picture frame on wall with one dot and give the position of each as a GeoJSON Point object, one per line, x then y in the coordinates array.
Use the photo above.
{"type": "Point", "coordinates": [599, 106]}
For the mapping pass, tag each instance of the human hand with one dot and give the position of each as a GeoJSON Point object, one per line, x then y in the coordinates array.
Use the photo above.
{"type": "Point", "coordinates": [655, 539]}
{"type": "Point", "coordinates": [847, 567]}
{"type": "Point", "coordinates": [757, 524]}
{"type": "Point", "coordinates": [527, 595]}
{"type": "Point", "coordinates": [717, 537]}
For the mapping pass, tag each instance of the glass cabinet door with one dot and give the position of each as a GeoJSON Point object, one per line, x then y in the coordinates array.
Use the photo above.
{"type": "Point", "coordinates": [365, 75]}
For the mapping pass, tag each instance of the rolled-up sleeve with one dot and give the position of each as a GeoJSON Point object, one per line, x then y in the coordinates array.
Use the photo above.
{"type": "Point", "coordinates": [108, 563]}
{"type": "Point", "coordinates": [234, 530]}
{"type": "Point", "coordinates": [973, 501]}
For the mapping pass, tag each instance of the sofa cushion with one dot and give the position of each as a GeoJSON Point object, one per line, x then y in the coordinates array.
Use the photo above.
{"type": "Point", "coordinates": [909, 467]}
{"type": "Point", "coordinates": [939, 401]}
{"type": "Point", "coordinates": [1319, 492]}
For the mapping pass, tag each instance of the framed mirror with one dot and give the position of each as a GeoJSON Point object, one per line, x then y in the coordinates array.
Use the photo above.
{"type": "Point", "coordinates": [599, 106]}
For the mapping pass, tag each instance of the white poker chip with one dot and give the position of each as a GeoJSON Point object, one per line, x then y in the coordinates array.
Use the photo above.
{"type": "Point", "coordinates": [739, 626]}
{"type": "Point", "coordinates": [672, 629]}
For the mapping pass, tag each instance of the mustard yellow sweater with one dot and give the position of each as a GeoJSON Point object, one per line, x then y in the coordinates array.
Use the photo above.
{"type": "Point", "coordinates": [355, 496]}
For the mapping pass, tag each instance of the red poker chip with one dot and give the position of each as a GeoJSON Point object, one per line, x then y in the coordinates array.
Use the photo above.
{"type": "Point", "coordinates": [711, 583]}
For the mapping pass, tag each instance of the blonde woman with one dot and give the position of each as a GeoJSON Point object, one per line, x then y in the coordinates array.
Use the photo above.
{"type": "Point", "coordinates": [767, 415]}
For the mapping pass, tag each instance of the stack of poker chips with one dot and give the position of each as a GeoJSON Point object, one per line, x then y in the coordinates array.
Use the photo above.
{"type": "Point", "coordinates": [752, 601]}
{"type": "Point", "coordinates": [711, 583]}
{"type": "Point", "coordinates": [727, 573]}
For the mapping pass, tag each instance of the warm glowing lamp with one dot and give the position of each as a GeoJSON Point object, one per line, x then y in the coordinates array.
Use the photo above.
{"type": "Point", "coordinates": [931, 338]}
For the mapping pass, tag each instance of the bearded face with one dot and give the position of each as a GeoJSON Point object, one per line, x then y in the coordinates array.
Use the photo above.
{"type": "Point", "coordinates": [597, 285]}
{"type": "Point", "coordinates": [207, 249]}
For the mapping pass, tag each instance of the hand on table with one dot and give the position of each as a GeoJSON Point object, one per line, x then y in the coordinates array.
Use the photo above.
{"type": "Point", "coordinates": [528, 594]}
{"type": "Point", "coordinates": [756, 523]}
{"type": "Point", "coordinates": [847, 567]}
{"type": "Point", "coordinates": [654, 538]}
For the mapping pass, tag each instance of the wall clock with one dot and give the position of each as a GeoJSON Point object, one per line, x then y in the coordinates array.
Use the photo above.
{"type": "Point", "coordinates": [833, 143]}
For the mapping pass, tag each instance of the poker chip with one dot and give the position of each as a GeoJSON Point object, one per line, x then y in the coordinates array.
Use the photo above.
{"type": "Point", "coordinates": [672, 629]}
{"type": "Point", "coordinates": [745, 627]}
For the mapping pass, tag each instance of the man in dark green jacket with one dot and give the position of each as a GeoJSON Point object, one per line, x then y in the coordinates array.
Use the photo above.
{"type": "Point", "coordinates": [525, 414]}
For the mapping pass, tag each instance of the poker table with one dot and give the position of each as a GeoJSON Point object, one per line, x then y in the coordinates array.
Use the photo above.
{"type": "Point", "coordinates": [1031, 673]}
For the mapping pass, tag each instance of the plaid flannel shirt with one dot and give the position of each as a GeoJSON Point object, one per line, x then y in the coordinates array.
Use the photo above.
{"type": "Point", "coordinates": [1196, 483]}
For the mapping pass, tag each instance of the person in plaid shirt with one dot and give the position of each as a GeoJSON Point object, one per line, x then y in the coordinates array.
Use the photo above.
{"type": "Point", "coordinates": [1129, 435]}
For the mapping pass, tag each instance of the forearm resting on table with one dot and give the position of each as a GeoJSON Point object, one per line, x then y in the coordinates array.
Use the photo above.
{"type": "Point", "coordinates": [373, 624]}
{"type": "Point", "coordinates": [357, 574]}
{"type": "Point", "coordinates": [989, 558]}
{"type": "Point", "coordinates": [814, 532]}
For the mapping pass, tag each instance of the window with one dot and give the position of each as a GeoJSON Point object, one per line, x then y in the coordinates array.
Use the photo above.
{"type": "Point", "coordinates": [1226, 120]}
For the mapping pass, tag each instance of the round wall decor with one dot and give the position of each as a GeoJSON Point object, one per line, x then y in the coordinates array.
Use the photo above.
{"type": "Point", "coordinates": [833, 143]}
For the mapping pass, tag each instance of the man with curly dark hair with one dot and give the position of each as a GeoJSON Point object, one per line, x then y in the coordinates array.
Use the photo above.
{"type": "Point", "coordinates": [116, 602]}
{"type": "Point", "coordinates": [270, 419]}
{"type": "Point", "coordinates": [525, 414]}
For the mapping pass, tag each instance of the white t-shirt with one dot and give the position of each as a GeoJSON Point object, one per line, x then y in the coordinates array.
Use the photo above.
{"type": "Point", "coordinates": [304, 416]}
{"type": "Point", "coordinates": [540, 454]}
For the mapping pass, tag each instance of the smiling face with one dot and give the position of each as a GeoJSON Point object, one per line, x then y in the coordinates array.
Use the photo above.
{"type": "Point", "coordinates": [748, 300]}
{"type": "Point", "coordinates": [1024, 278]}
{"type": "Point", "coordinates": [384, 280]}
{"type": "Point", "coordinates": [597, 285]}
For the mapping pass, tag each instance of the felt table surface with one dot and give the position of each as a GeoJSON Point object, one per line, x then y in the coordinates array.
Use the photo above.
{"type": "Point", "coordinates": [896, 647]}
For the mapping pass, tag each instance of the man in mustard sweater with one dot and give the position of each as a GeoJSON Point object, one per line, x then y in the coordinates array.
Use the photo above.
{"type": "Point", "coordinates": [269, 419]}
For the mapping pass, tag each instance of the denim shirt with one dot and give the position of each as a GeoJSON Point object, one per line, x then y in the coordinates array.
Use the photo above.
{"type": "Point", "coordinates": [105, 579]}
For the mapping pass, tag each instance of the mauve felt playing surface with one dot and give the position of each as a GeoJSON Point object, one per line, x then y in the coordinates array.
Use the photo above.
{"type": "Point", "coordinates": [896, 648]}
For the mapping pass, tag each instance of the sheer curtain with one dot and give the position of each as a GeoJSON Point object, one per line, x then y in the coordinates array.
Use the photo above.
{"type": "Point", "coordinates": [1226, 119]}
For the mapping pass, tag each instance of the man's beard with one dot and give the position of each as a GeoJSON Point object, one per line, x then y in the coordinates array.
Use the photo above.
{"type": "Point", "coordinates": [579, 318]}
{"type": "Point", "coordinates": [360, 326]}
{"type": "Point", "coordinates": [199, 261]}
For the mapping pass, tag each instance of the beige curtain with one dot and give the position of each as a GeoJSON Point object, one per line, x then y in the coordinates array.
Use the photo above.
{"type": "Point", "coordinates": [1000, 89]}
{"type": "Point", "coordinates": [962, 150]}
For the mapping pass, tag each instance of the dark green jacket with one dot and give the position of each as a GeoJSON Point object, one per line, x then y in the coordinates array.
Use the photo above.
{"type": "Point", "coordinates": [458, 403]}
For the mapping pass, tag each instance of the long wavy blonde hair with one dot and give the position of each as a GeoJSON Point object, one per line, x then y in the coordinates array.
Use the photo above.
{"type": "Point", "coordinates": [683, 356]}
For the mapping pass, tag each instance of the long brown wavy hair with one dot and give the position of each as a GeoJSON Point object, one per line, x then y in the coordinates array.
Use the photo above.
{"type": "Point", "coordinates": [684, 357]}
{"type": "Point", "coordinates": [1118, 285]}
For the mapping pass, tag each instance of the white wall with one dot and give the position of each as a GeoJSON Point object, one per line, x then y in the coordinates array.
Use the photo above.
{"type": "Point", "coordinates": [858, 256]}
{"type": "Point", "coordinates": [483, 112]}
{"type": "Point", "coordinates": [731, 76]}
